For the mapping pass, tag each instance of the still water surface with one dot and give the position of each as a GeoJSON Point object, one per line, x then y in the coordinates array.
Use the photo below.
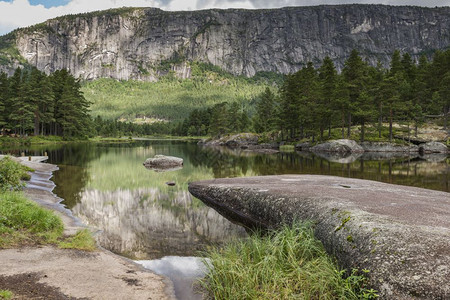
{"type": "Point", "coordinates": [140, 217]}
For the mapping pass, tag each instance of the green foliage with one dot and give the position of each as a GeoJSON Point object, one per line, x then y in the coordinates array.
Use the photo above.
{"type": "Point", "coordinates": [287, 148]}
{"type": "Point", "coordinates": [5, 294]}
{"type": "Point", "coordinates": [11, 175]}
{"type": "Point", "coordinates": [82, 240]}
{"type": "Point", "coordinates": [218, 120]}
{"type": "Point", "coordinates": [285, 264]}
{"type": "Point", "coordinates": [169, 99]}
{"type": "Point", "coordinates": [34, 103]}
{"type": "Point", "coordinates": [22, 221]}
{"type": "Point", "coordinates": [312, 101]}
{"type": "Point", "coordinates": [265, 117]}
{"type": "Point", "coordinates": [8, 50]}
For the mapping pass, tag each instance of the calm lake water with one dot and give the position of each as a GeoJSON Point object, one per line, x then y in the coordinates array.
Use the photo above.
{"type": "Point", "coordinates": [140, 217]}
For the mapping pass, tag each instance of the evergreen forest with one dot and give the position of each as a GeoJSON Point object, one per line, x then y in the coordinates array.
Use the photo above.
{"type": "Point", "coordinates": [33, 103]}
{"type": "Point", "coordinates": [311, 102]}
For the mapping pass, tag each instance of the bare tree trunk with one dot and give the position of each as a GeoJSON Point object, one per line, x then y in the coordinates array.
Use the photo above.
{"type": "Point", "coordinates": [36, 122]}
{"type": "Point", "coordinates": [390, 125]}
{"type": "Point", "coordinates": [349, 124]}
{"type": "Point", "coordinates": [380, 120]}
{"type": "Point", "coordinates": [362, 131]}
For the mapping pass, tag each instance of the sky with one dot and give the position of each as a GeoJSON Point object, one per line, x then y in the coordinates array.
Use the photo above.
{"type": "Point", "coordinates": [22, 13]}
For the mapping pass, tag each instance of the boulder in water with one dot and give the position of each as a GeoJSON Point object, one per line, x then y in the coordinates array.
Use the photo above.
{"type": "Point", "coordinates": [163, 162]}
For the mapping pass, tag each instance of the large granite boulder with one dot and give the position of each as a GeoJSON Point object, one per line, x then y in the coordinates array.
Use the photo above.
{"type": "Point", "coordinates": [433, 147]}
{"type": "Point", "coordinates": [303, 146]}
{"type": "Point", "coordinates": [162, 162]}
{"type": "Point", "coordinates": [241, 140]}
{"type": "Point", "coordinates": [338, 146]}
{"type": "Point", "coordinates": [388, 147]}
{"type": "Point", "coordinates": [400, 233]}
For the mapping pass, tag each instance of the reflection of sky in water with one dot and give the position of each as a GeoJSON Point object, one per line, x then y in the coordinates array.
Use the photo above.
{"type": "Point", "coordinates": [182, 271]}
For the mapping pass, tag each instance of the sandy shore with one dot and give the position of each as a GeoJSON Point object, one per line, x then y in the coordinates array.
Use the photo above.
{"type": "Point", "coordinates": [51, 273]}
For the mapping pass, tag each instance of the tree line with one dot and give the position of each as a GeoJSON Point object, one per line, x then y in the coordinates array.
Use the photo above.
{"type": "Point", "coordinates": [312, 101]}
{"type": "Point", "coordinates": [32, 102]}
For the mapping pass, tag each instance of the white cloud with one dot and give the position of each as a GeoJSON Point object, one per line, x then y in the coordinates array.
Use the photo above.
{"type": "Point", "coordinates": [20, 13]}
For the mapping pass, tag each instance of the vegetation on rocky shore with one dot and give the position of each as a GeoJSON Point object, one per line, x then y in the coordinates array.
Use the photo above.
{"type": "Point", "coordinates": [24, 222]}
{"type": "Point", "coordinates": [285, 264]}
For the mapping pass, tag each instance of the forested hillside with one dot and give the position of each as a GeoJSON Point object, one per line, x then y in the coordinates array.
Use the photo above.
{"type": "Point", "coordinates": [172, 98]}
{"type": "Point", "coordinates": [311, 102]}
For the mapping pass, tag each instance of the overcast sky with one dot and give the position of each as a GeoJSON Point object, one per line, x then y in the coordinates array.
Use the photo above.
{"type": "Point", "coordinates": [21, 13]}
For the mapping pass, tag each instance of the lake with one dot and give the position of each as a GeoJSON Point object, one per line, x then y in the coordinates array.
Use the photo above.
{"type": "Point", "coordinates": [141, 217]}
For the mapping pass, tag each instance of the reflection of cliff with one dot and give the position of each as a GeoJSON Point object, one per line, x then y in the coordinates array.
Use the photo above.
{"type": "Point", "coordinates": [145, 224]}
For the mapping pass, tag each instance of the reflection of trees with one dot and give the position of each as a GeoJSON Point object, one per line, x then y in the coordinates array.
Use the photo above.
{"type": "Point", "coordinates": [395, 169]}
{"type": "Point", "coordinates": [148, 224]}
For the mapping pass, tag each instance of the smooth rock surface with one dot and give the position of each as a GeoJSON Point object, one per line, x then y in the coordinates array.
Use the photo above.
{"type": "Point", "coordinates": [401, 234]}
{"type": "Point", "coordinates": [338, 146]}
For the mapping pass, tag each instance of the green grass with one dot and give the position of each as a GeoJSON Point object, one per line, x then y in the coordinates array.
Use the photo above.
{"type": "Point", "coordinates": [23, 221]}
{"type": "Point", "coordinates": [286, 264]}
{"type": "Point", "coordinates": [82, 240]}
{"type": "Point", "coordinates": [287, 148]}
{"type": "Point", "coordinates": [5, 294]}
{"type": "Point", "coordinates": [166, 99]}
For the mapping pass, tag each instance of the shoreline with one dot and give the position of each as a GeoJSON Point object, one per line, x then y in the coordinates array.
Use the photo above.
{"type": "Point", "coordinates": [401, 238]}
{"type": "Point", "coordinates": [74, 273]}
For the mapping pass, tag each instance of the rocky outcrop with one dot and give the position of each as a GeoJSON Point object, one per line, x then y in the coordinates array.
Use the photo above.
{"type": "Point", "coordinates": [145, 43]}
{"type": "Point", "coordinates": [303, 146]}
{"type": "Point", "coordinates": [241, 140]}
{"type": "Point", "coordinates": [162, 162]}
{"type": "Point", "coordinates": [432, 147]}
{"type": "Point", "coordinates": [338, 146]}
{"type": "Point", "coordinates": [401, 234]}
{"type": "Point", "coordinates": [388, 147]}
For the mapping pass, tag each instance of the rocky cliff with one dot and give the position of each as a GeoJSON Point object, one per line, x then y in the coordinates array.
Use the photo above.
{"type": "Point", "coordinates": [144, 43]}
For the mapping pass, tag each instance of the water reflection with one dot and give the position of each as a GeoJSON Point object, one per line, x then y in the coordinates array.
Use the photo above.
{"type": "Point", "coordinates": [146, 224]}
{"type": "Point", "coordinates": [140, 216]}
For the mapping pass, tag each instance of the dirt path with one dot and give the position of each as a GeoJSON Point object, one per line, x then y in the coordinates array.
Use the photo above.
{"type": "Point", "coordinates": [52, 273]}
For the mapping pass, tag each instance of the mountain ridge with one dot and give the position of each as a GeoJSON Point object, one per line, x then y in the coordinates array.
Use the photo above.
{"type": "Point", "coordinates": [147, 43]}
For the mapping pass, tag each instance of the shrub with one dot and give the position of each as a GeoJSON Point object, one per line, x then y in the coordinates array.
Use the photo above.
{"type": "Point", "coordinates": [11, 174]}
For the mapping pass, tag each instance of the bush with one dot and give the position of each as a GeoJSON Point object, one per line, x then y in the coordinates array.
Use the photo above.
{"type": "Point", "coordinates": [11, 174]}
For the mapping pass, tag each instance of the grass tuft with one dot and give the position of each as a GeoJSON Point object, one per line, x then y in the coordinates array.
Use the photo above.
{"type": "Point", "coordinates": [287, 264]}
{"type": "Point", "coordinates": [82, 240]}
{"type": "Point", "coordinates": [23, 221]}
{"type": "Point", "coordinates": [5, 294]}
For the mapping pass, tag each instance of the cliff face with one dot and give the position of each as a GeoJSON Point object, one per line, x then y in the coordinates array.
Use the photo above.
{"type": "Point", "coordinates": [145, 43]}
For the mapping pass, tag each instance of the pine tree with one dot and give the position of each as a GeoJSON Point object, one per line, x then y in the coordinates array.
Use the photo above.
{"type": "Point", "coordinates": [354, 74]}
{"type": "Point", "coordinates": [444, 92]}
{"type": "Point", "coordinates": [4, 94]}
{"type": "Point", "coordinates": [263, 119]}
{"type": "Point", "coordinates": [328, 82]}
